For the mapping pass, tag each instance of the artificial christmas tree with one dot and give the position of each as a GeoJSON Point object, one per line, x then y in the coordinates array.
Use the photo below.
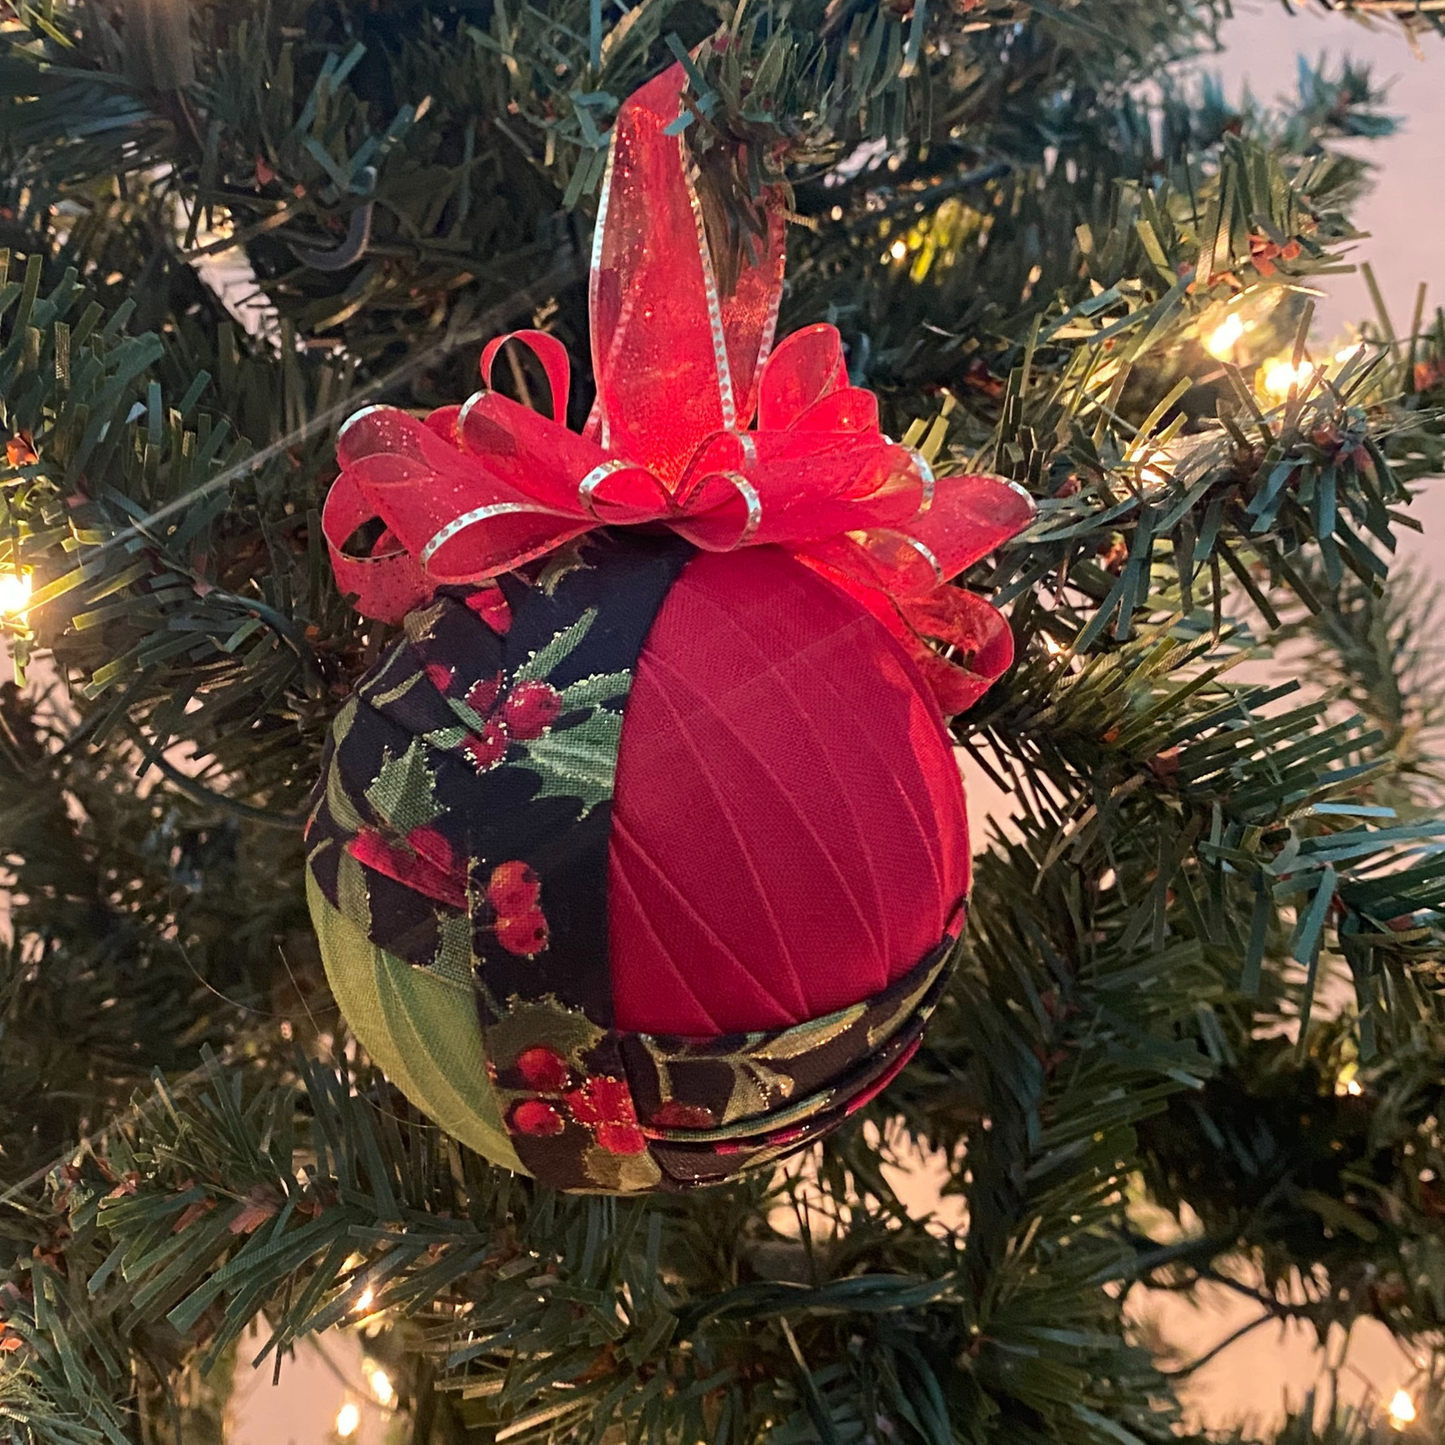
{"type": "Point", "coordinates": [1201, 965]}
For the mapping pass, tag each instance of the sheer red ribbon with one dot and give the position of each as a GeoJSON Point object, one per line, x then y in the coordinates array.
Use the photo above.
{"type": "Point", "coordinates": [682, 371]}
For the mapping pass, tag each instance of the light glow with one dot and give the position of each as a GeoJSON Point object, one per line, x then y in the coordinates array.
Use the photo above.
{"type": "Point", "coordinates": [1280, 376]}
{"type": "Point", "coordinates": [381, 1386]}
{"type": "Point", "coordinates": [15, 590]}
{"type": "Point", "coordinates": [899, 249]}
{"type": "Point", "coordinates": [1153, 463]}
{"type": "Point", "coordinates": [1222, 340]}
{"type": "Point", "coordinates": [1402, 1409]}
{"type": "Point", "coordinates": [348, 1420]}
{"type": "Point", "coordinates": [364, 1300]}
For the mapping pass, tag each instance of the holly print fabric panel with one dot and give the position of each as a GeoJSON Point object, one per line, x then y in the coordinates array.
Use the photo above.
{"type": "Point", "coordinates": [464, 811]}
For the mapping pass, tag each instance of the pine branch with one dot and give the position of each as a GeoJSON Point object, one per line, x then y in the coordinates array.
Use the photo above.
{"type": "Point", "coordinates": [1192, 854]}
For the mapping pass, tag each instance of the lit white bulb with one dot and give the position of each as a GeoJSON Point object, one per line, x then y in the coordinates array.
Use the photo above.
{"type": "Point", "coordinates": [1402, 1409]}
{"type": "Point", "coordinates": [15, 590]}
{"type": "Point", "coordinates": [899, 249]}
{"type": "Point", "coordinates": [1221, 341]}
{"type": "Point", "coordinates": [1280, 376]}
{"type": "Point", "coordinates": [364, 1299]}
{"type": "Point", "coordinates": [348, 1419]}
{"type": "Point", "coordinates": [381, 1386]}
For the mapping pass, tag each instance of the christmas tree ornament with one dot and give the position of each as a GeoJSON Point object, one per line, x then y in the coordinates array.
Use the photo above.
{"type": "Point", "coordinates": [640, 857]}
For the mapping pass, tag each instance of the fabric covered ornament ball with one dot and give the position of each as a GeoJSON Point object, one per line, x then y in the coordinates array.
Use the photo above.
{"type": "Point", "coordinates": [639, 858]}
{"type": "Point", "coordinates": [645, 871]}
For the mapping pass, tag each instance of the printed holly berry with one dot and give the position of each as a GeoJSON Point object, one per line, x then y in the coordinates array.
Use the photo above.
{"type": "Point", "coordinates": [621, 1138]}
{"type": "Point", "coordinates": [487, 748]}
{"type": "Point", "coordinates": [531, 708]}
{"type": "Point", "coordinates": [440, 676]}
{"type": "Point", "coordinates": [538, 1118]}
{"type": "Point", "coordinates": [483, 693]}
{"type": "Point", "coordinates": [544, 1069]}
{"type": "Point", "coordinates": [524, 934]}
{"type": "Point", "coordinates": [513, 889]}
{"type": "Point", "coordinates": [605, 1105]}
{"type": "Point", "coordinates": [489, 604]}
{"type": "Point", "coordinates": [601, 1098]}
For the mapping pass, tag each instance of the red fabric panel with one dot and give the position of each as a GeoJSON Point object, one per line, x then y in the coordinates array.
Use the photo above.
{"type": "Point", "coordinates": [788, 828]}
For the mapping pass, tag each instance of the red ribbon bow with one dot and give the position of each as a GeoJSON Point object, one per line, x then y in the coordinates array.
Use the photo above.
{"type": "Point", "coordinates": [478, 490]}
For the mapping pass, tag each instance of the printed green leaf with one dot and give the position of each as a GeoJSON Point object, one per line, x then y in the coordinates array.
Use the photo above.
{"type": "Point", "coordinates": [596, 690]}
{"type": "Point", "coordinates": [403, 792]}
{"type": "Point", "coordinates": [562, 562]}
{"type": "Point", "coordinates": [345, 812]}
{"type": "Point", "coordinates": [578, 762]}
{"type": "Point", "coordinates": [471, 719]}
{"type": "Point", "coordinates": [418, 624]}
{"type": "Point", "coordinates": [566, 642]}
{"type": "Point", "coordinates": [393, 694]}
{"type": "Point", "coordinates": [449, 740]}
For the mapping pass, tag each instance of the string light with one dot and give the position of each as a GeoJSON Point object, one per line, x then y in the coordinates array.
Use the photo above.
{"type": "Point", "coordinates": [348, 1420]}
{"type": "Point", "coordinates": [364, 1299]}
{"type": "Point", "coordinates": [1402, 1409]}
{"type": "Point", "coordinates": [899, 249]}
{"type": "Point", "coordinates": [1222, 340]}
{"type": "Point", "coordinates": [1153, 463]}
{"type": "Point", "coordinates": [381, 1386]}
{"type": "Point", "coordinates": [1280, 376]}
{"type": "Point", "coordinates": [15, 590]}
{"type": "Point", "coordinates": [1061, 654]}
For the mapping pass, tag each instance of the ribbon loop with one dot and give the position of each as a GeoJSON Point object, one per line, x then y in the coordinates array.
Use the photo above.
{"type": "Point", "coordinates": [806, 367]}
{"type": "Point", "coordinates": [708, 519]}
{"type": "Point", "coordinates": [555, 363]}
